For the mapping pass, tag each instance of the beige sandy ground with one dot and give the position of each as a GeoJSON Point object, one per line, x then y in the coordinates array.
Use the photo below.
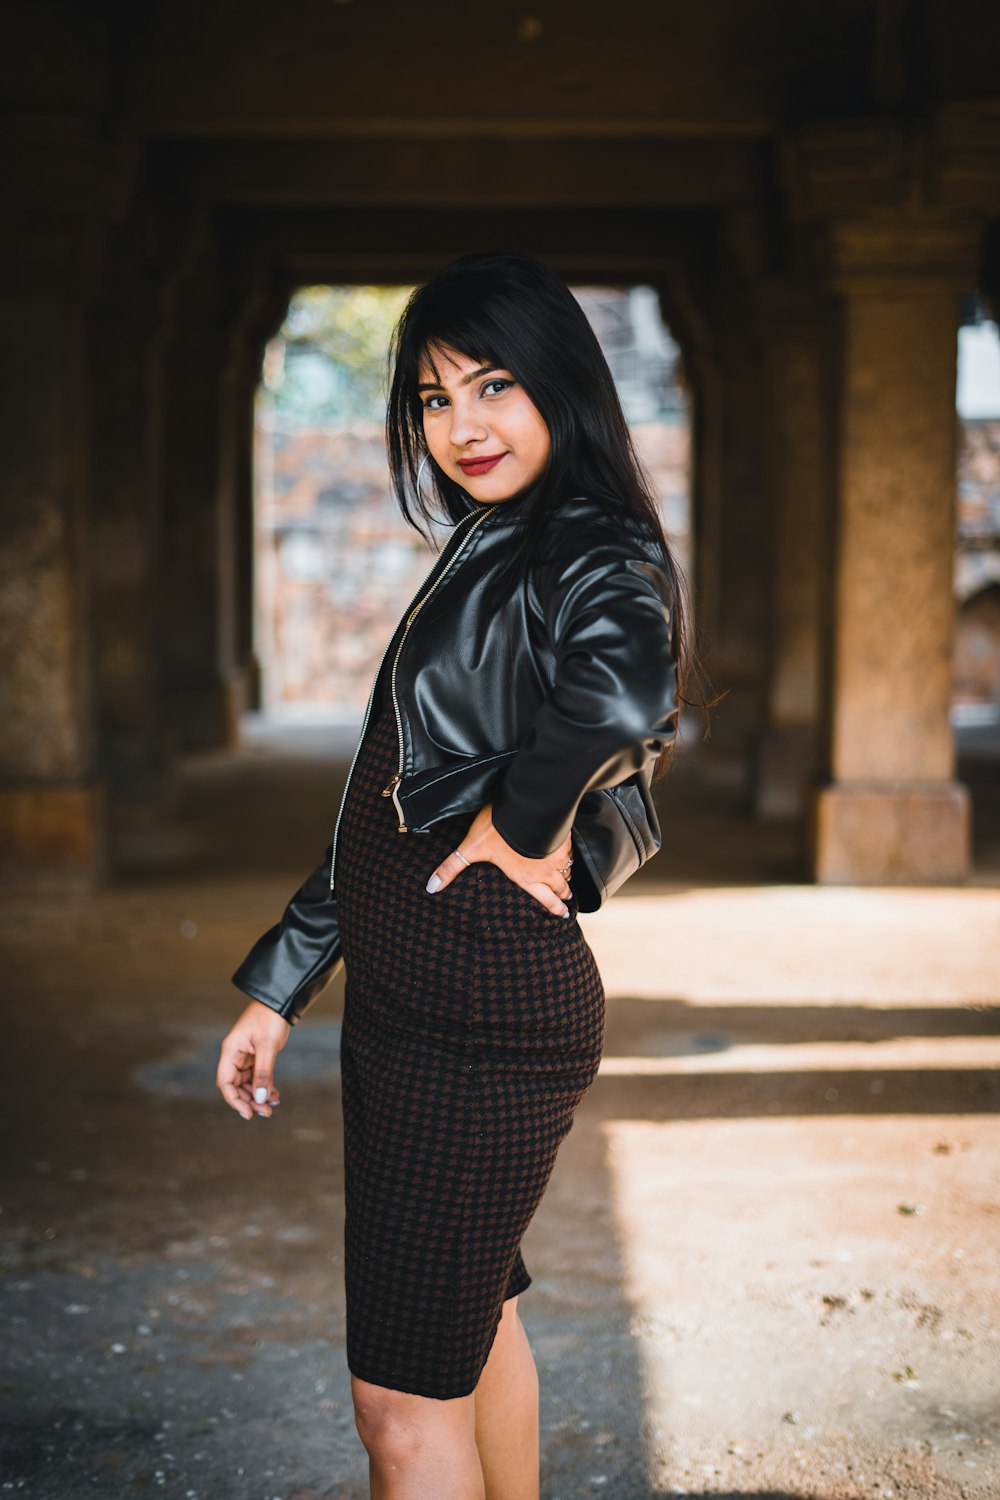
{"type": "Point", "coordinates": [767, 1262]}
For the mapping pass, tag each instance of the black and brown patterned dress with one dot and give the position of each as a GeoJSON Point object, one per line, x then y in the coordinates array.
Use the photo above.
{"type": "Point", "coordinates": [473, 1025]}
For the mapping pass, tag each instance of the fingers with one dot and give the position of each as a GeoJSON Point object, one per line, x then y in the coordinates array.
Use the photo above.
{"type": "Point", "coordinates": [227, 1078]}
{"type": "Point", "coordinates": [245, 1075]}
{"type": "Point", "coordinates": [547, 896]}
{"type": "Point", "coordinates": [553, 889]}
{"type": "Point", "coordinates": [264, 1093]}
{"type": "Point", "coordinates": [446, 872]}
{"type": "Point", "coordinates": [552, 898]}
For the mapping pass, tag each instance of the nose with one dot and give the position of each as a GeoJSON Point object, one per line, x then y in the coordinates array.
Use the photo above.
{"type": "Point", "coordinates": [466, 424]}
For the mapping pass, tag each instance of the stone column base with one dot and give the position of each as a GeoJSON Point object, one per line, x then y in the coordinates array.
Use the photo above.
{"type": "Point", "coordinates": [53, 833]}
{"type": "Point", "coordinates": [888, 833]}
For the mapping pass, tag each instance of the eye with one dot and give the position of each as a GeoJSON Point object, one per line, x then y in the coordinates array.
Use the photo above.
{"type": "Point", "coordinates": [499, 380]}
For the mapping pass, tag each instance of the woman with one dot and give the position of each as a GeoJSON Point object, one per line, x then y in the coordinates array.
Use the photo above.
{"type": "Point", "coordinates": [522, 709]}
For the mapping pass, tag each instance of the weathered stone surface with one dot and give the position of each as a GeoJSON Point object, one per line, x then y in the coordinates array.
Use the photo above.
{"type": "Point", "coordinates": [797, 431]}
{"type": "Point", "coordinates": [889, 834]}
{"type": "Point", "coordinates": [894, 608]}
{"type": "Point", "coordinates": [42, 727]}
{"type": "Point", "coordinates": [53, 832]}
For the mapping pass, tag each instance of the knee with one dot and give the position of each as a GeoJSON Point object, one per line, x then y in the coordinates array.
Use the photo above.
{"type": "Point", "coordinates": [385, 1426]}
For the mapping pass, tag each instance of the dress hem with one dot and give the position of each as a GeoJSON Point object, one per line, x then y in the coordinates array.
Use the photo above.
{"type": "Point", "coordinates": [419, 1389]}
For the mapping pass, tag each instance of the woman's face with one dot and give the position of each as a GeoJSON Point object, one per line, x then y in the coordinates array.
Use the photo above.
{"type": "Point", "coordinates": [474, 413]}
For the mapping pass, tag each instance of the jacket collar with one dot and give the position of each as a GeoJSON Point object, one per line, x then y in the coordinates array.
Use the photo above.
{"type": "Point", "coordinates": [506, 512]}
{"type": "Point", "coordinates": [510, 512]}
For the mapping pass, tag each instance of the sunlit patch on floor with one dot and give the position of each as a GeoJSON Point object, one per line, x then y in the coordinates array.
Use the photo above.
{"type": "Point", "coordinates": [787, 1303]}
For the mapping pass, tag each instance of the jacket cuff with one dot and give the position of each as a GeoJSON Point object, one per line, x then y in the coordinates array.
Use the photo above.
{"type": "Point", "coordinates": [535, 813]}
{"type": "Point", "coordinates": [292, 963]}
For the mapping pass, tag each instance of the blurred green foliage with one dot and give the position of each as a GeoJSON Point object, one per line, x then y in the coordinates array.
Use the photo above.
{"type": "Point", "coordinates": [328, 361]}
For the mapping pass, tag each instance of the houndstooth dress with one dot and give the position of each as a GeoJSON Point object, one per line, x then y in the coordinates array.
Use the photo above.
{"type": "Point", "coordinates": [473, 1026]}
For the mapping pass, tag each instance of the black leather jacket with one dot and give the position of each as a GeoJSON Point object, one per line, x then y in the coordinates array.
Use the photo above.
{"type": "Point", "coordinates": [554, 709]}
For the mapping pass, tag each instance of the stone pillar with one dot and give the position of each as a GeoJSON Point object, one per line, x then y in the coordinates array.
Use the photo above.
{"type": "Point", "coordinates": [52, 803]}
{"type": "Point", "coordinates": [795, 339]}
{"type": "Point", "coordinates": [730, 520]}
{"type": "Point", "coordinates": [261, 311]}
{"type": "Point", "coordinates": [125, 574]}
{"type": "Point", "coordinates": [243, 387]}
{"type": "Point", "coordinates": [198, 705]}
{"type": "Point", "coordinates": [890, 811]}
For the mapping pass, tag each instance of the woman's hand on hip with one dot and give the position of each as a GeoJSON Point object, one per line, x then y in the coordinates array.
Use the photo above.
{"type": "Point", "coordinates": [245, 1075]}
{"type": "Point", "coordinates": [545, 879]}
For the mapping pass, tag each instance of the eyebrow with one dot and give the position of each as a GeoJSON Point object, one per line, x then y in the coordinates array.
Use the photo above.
{"type": "Point", "coordinates": [486, 370]}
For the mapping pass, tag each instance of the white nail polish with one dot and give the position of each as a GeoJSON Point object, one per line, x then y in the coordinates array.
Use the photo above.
{"type": "Point", "coordinates": [260, 1095]}
{"type": "Point", "coordinates": [434, 884]}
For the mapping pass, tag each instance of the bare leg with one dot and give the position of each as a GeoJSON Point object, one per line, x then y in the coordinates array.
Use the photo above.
{"type": "Point", "coordinates": [506, 1408]}
{"type": "Point", "coordinates": [418, 1448]}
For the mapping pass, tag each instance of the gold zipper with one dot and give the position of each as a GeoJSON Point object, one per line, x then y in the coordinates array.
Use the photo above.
{"type": "Point", "coordinates": [390, 788]}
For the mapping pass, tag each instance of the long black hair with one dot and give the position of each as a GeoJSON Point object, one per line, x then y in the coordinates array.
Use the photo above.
{"type": "Point", "coordinates": [511, 311]}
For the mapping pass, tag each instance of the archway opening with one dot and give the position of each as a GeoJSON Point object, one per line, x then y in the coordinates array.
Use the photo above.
{"type": "Point", "coordinates": [976, 690]}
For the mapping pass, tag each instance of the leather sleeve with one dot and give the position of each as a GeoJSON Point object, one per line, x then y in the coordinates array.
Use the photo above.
{"type": "Point", "coordinates": [293, 962]}
{"type": "Point", "coordinates": [612, 707]}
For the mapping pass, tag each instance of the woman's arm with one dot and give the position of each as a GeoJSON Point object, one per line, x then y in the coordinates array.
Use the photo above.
{"type": "Point", "coordinates": [293, 962]}
{"type": "Point", "coordinates": [613, 704]}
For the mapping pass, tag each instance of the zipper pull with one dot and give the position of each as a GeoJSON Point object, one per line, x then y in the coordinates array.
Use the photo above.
{"type": "Point", "coordinates": [387, 790]}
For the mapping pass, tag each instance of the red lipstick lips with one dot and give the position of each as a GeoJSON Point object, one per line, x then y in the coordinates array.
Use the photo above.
{"type": "Point", "coordinates": [481, 465]}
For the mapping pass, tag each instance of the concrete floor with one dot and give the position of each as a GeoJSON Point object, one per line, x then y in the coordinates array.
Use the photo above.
{"type": "Point", "coordinates": [765, 1266]}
